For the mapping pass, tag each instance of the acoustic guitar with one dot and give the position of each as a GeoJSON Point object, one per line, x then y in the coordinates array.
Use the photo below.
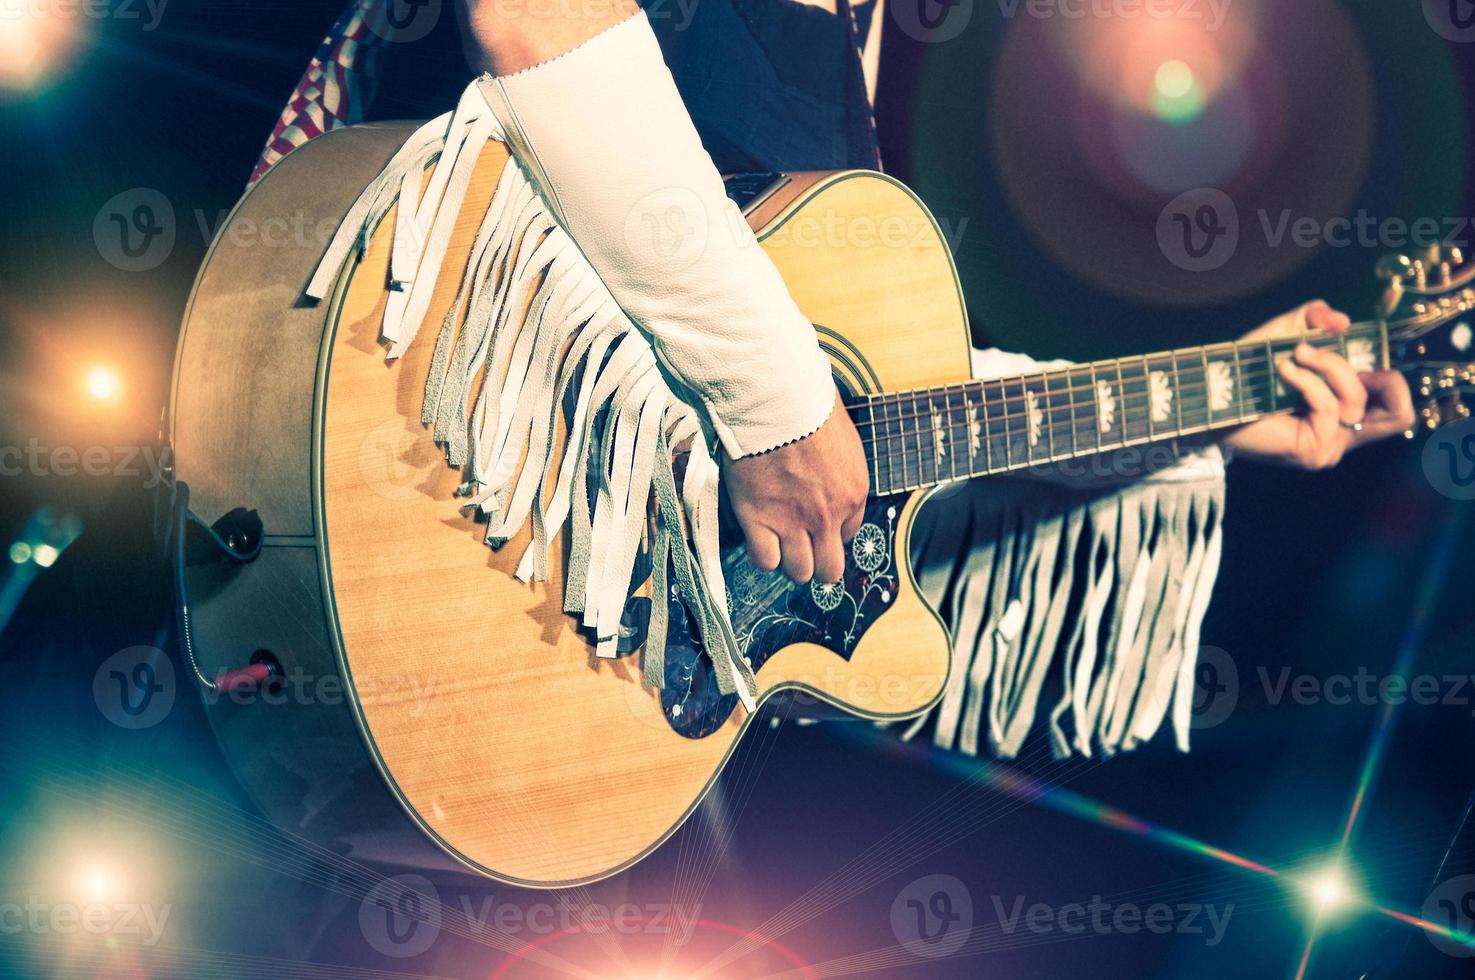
{"type": "Point", "coordinates": [423, 706]}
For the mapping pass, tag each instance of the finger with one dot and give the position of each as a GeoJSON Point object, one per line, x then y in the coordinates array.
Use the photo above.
{"type": "Point", "coordinates": [798, 556]}
{"type": "Point", "coordinates": [829, 556]}
{"type": "Point", "coordinates": [1392, 404]}
{"type": "Point", "coordinates": [1339, 376]}
{"type": "Point", "coordinates": [1321, 415]}
{"type": "Point", "coordinates": [852, 523]}
{"type": "Point", "coordinates": [763, 547]}
{"type": "Point", "coordinates": [1319, 315]}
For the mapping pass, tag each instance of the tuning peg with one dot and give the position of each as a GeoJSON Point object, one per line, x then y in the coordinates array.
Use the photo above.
{"type": "Point", "coordinates": [1393, 267]}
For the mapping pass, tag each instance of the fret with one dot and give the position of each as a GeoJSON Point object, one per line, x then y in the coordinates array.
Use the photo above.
{"type": "Point", "coordinates": [1096, 416]}
{"type": "Point", "coordinates": [867, 427]}
{"type": "Point", "coordinates": [977, 438]}
{"type": "Point", "coordinates": [1008, 425]}
{"type": "Point", "coordinates": [1047, 411]}
{"type": "Point", "coordinates": [1193, 391]}
{"type": "Point", "coordinates": [1151, 403]}
{"type": "Point", "coordinates": [896, 439]}
{"type": "Point", "coordinates": [1203, 355]}
{"type": "Point", "coordinates": [1177, 391]}
{"type": "Point", "coordinates": [914, 414]}
{"type": "Point", "coordinates": [1030, 419]}
{"type": "Point", "coordinates": [1239, 383]}
{"type": "Point", "coordinates": [1123, 404]}
{"type": "Point", "coordinates": [1271, 370]}
{"type": "Point", "coordinates": [957, 423]}
{"type": "Point", "coordinates": [988, 433]}
{"type": "Point", "coordinates": [882, 432]}
{"type": "Point", "coordinates": [1070, 388]}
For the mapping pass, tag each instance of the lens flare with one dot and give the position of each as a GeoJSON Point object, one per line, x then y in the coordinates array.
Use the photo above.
{"type": "Point", "coordinates": [34, 45]}
{"type": "Point", "coordinates": [1177, 96]}
{"type": "Point", "coordinates": [1328, 890]}
{"type": "Point", "coordinates": [1174, 79]}
{"type": "Point", "coordinates": [103, 384]}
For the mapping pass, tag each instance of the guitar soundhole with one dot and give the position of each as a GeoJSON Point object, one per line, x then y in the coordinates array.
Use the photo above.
{"type": "Point", "coordinates": [769, 613]}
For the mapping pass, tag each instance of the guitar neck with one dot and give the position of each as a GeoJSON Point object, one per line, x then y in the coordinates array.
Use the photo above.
{"type": "Point", "coordinates": [917, 439]}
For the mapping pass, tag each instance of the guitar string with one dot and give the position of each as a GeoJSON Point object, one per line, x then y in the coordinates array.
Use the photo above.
{"type": "Point", "coordinates": [1277, 346]}
{"type": "Point", "coordinates": [1140, 387]}
{"type": "Point", "coordinates": [1254, 377]}
{"type": "Point", "coordinates": [1245, 409]}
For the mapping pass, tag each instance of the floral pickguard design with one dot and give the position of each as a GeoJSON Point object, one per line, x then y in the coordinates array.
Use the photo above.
{"type": "Point", "coordinates": [769, 612]}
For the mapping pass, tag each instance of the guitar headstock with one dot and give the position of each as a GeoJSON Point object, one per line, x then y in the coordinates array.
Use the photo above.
{"type": "Point", "coordinates": [1429, 305]}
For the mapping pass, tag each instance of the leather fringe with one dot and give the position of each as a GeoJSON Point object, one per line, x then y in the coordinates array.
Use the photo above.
{"type": "Point", "coordinates": [535, 327]}
{"type": "Point", "coordinates": [1085, 606]}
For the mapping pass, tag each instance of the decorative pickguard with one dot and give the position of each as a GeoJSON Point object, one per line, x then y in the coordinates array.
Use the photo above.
{"type": "Point", "coordinates": [769, 612]}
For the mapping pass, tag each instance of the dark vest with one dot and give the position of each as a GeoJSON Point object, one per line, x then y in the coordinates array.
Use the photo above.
{"type": "Point", "coordinates": [771, 84]}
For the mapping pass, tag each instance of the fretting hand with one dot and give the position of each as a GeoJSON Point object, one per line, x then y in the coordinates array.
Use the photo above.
{"type": "Point", "coordinates": [1341, 409]}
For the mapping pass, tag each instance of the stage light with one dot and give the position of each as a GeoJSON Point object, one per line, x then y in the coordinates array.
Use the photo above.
{"type": "Point", "coordinates": [103, 383]}
{"type": "Point", "coordinates": [1177, 95]}
{"type": "Point", "coordinates": [33, 45]}
{"type": "Point", "coordinates": [96, 882]}
{"type": "Point", "coordinates": [20, 552]}
{"type": "Point", "coordinates": [1328, 890]}
{"type": "Point", "coordinates": [44, 555]}
{"type": "Point", "coordinates": [1174, 79]}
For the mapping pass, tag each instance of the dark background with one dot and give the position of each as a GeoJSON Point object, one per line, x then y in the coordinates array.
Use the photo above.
{"type": "Point", "coordinates": [1323, 573]}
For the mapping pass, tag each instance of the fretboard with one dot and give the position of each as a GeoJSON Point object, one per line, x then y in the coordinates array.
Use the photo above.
{"type": "Point", "coordinates": [916, 439]}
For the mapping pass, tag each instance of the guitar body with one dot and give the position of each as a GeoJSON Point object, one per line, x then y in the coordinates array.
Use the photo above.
{"type": "Point", "coordinates": [434, 709]}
